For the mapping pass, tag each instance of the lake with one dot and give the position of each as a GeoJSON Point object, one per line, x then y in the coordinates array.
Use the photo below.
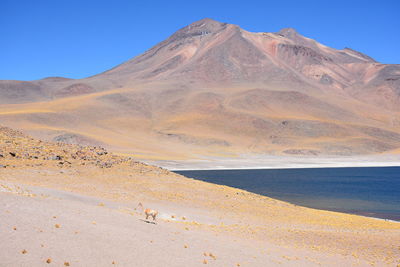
{"type": "Point", "coordinates": [368, 191]}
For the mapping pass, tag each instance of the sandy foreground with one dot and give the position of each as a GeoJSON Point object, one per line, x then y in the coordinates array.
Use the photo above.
{"type": "Point", "coordinates": [67, 205]}
{"type": "Point", "coordinates": [87, 217]}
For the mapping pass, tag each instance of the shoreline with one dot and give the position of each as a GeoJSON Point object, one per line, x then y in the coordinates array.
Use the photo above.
{"type": "Point", "coordinates": [257, 161]}
{"type": "Point", "coordinates": [283, 167]}
{"type": "Point", "coordinates": [330, 210]}
{"type": "Point", "coordinates": [393, 217]}
{"type": "Point", "coordinates": [386, 220]}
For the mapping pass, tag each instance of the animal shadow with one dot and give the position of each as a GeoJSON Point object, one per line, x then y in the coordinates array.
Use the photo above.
{"type": "Point", "coordinates": [146, 221]}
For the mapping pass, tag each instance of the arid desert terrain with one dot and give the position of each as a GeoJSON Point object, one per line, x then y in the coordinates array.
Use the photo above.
{"type": "Point", "coordinates": [70, 205]}
{"type": "Point", "coordinates": [77, 156]}
{"type": "Point", "coordinates": [214, 90]}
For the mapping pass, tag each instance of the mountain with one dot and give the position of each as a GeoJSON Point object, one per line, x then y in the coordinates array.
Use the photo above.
{"type": "Point", "coordinates": [214, 89]}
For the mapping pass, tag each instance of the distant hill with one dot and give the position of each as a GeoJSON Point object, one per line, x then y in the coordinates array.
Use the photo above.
{"type": "Point", "coordinates": [215, 89]}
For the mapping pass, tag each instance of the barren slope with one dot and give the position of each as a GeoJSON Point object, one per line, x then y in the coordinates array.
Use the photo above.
{"type": "Point", "coordinates": [77, 204]}
{"type": "Point", "coordinates": [215, 89]}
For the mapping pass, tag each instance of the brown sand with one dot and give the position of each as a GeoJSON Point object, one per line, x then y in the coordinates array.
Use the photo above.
{"type": "Point", "coordinates": [198, 224]}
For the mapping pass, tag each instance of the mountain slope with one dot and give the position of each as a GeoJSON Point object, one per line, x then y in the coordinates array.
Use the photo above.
{"type": "Point", "coordinates": [215, 89]}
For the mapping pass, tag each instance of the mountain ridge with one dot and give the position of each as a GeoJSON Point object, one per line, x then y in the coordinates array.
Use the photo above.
{"type": "Point", "coordinates": [213, 87]}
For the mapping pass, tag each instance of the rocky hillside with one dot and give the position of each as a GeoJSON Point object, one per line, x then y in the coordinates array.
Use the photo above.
{"type": "Point", "coordinates": [214, 88]}
{"type": "Point", "coordinates": [19, 150]}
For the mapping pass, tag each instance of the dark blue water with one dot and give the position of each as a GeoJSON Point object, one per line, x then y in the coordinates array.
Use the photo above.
{"type": "Point", "coordinates": [371, 191]}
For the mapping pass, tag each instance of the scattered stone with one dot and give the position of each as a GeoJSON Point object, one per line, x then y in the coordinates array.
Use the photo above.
{"type": "Point", "coordinates": [185, 246]}
{"type": "Point", "coordinates": [14, 228]}
{"type": "Point", "coordinates": [24, 251]}
{"type": "Point", "coordinates": [12, 154]}
{"type": "Point", "coordinates": [66, 263]}
{"type": "Point", "coordinates": [48, 260]}
{"type": "Point", "coordinates": [205, 261]}
{"type": "Point", "coordinates": [57, 225]}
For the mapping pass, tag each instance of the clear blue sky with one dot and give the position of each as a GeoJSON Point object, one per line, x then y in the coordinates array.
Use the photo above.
{"type": "Point", "coordinates": [79, 38]}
